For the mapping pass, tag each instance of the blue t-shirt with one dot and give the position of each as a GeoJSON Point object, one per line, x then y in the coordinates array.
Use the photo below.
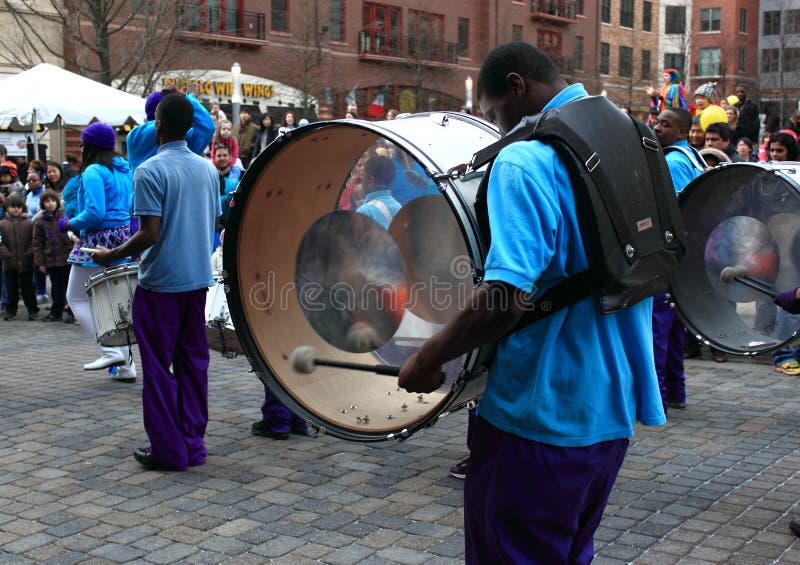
{"type": "Point", "coordinates": [577, 377]}
{"type": "Point", "coordinates": [141, 141]}
{"type": "Point", "coordinates": [682, 169]}
{"type": "Point", "coordinates": [183, 189]}
{"type": "Point", "coordinates": [378, 212]}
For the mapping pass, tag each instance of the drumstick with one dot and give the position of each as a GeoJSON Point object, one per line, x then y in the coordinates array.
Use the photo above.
{"type": "Point", "coordinates": [304, 360]}
{"type": "Point", "coordinates": [739, 274]}
{"type": "Point", "coordinates": [89, 250]}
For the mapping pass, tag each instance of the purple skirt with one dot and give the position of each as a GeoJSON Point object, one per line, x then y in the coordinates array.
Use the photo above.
{"type": "Point", "coordinates": [107, 237]}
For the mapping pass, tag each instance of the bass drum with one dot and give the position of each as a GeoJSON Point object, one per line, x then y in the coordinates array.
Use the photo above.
{"type": "Point", "coordinates": [351, 237]}
{"type": "Point", "coordinates": [743, 223]}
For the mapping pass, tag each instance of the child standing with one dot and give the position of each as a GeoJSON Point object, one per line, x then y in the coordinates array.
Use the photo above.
{"type": "Point", "coordinates": [51, 250]}
{"type": "Point", "coordinates": [223, 137]}
{"type": "Point", "coordinates": [16, 238]}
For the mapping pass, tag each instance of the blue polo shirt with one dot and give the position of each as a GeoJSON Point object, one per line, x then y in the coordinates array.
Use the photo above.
{"type": "Point", "coordinates": [183, 189]}
{"type": "Point", "coordinates": [577, 377]}
{"type": "Point", "coordinates": [374, 212]}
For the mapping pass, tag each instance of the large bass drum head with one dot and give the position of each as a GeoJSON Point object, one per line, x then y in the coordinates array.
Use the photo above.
{"type": "Point", "coordinates": [364, 271]}
{"type": "Point", "coordinates": [743, 224]}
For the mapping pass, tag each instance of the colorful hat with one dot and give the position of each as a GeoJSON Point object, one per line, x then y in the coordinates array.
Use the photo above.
{"type": "Point", "coordinates": [8, 168]}
{"type": "Point", "coordinates": [707, 90]}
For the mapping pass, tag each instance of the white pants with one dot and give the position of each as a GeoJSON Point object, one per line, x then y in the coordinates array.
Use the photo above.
{"type": "Point", "coordinates": [78, 301]}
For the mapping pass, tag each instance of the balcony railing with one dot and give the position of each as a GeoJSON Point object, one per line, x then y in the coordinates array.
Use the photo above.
{"type": "Point", "coordinates": [388, 46]}
{"type": "Point", "coordinates": [557, 11]}
{"type": "Point", "coordinates": [564, 64]}
{"type": "Point", "coordinates": [232, 23]}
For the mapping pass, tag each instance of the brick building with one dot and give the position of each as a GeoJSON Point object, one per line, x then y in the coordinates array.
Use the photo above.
{"type": "Point", "coordinates": [311, 55]}
{"type": "Point", "coordinates": [628, 51]}
{"type": "Point", "coordinates": [779, 59]}
{"type": "Point", "coordinates": [724, 45]}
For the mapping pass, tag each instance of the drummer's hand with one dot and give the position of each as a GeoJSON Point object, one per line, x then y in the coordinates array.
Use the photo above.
{"type": "Point", "coordinates": [414, 377]}
{"type": "Point", "coordinates": [101, 256]}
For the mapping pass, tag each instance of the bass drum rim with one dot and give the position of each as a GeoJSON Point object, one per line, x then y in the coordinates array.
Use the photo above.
{"type": "Point", "coordinates": [685, 200]}
{"type": "Point", "coordinates": [462, 214]}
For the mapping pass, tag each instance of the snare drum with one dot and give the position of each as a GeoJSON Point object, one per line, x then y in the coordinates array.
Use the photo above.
{"type": "Point", "coordinates": [304, 270]}
{"type": "Point", "coordinates": [111, 299]}
{"type": "Point", "coordinates": [219, 328]}
{"type": "Point", "coordinates": [745, 216]}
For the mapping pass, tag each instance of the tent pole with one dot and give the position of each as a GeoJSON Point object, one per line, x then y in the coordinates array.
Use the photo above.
{"type": "Point", "coordinates": [61, 143]}
{"type": "Point", "coordinates": [33, 137]}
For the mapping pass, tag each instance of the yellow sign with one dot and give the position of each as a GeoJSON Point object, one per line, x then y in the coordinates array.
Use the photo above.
{"type": "Point", "coordinates": [215, 88]}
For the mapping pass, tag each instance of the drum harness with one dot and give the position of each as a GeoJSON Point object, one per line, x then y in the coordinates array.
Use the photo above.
{"type": "Point", "coordinates": [628, 212]}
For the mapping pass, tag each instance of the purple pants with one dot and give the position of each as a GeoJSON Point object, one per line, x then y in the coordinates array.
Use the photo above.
{"type": "Point", "coordinates": [668, 342]}
{"type": "Point", "coordinates": [527, 502]}
{"type": "Point", "coordinates": [278, 418]}
{"type": "Point", "coordinates": [171, 331]}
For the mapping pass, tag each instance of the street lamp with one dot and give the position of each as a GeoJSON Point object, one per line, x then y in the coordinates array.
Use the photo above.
{"type": "Point", "coordinates": [468, 97]}
{"type": "Point", "coordinates": [236, 97]}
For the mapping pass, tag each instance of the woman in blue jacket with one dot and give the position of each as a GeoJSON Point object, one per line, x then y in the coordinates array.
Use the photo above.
{"type": "Point", "coordinates": [103, 218]}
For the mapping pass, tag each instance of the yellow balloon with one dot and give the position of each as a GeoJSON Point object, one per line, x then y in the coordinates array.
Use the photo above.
{"type": "Point", "coordinates": [712, 115]}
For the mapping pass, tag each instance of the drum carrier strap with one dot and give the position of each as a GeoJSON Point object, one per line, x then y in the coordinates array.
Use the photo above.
{"type": "Point", "coordinates": [625, 201]}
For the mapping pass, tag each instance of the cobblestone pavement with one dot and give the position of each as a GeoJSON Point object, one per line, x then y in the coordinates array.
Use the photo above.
{"type": "Point", "coordinates": [718, 484]}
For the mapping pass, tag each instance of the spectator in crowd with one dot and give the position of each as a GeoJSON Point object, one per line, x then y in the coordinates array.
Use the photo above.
{"type": "Point", "coordinates": [720, 136]}
{"type": "Point", "coordinates": [216, 114]}
{"type": "Point", "coordinates": [37, 173]}
{"type": "Point", "coordinates": [70, 166]}
{"type": "Point", "coordinates": [746, 149]}
{"type": "Point", "coordinates": [16, 250]}
{"type": "Point", "coordinates": [288, 123]}
{"type": "Point", "coordinates": [704, 97]}
{"type": "Point", "coordinates": [266, 135]}
{"type": "Point", "coordinates": [55, 177]}
{"type": "Point", "coordinates": [51, 251]}
{"type": "Point", "coordinates": [8, 179]}
{"type": "Point", "coordinates": [224, 136]}
{"type": "Point", "coordinates": [749, 121]}
{"type": "Point", "coordinates": [697, 137]}
{"type": "Point", "coordinates": [391, 113]}
{"type": "Point", "coordinates": [228, 178]}
{"type": "Point", "coordinates": [245, 133]}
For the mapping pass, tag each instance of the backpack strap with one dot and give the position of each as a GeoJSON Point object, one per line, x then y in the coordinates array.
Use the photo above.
{"type": "Point", "coordinates": [691, 153]}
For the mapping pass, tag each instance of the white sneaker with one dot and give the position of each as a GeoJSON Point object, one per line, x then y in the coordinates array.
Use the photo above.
{"type": "Point", "coordinates": [111, 356]}
{"type": "Point", "coordinates": [125, 374]}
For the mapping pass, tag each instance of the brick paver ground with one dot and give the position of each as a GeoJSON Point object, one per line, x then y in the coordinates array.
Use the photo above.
{"type": "Point", "coordinates": [718, 484]}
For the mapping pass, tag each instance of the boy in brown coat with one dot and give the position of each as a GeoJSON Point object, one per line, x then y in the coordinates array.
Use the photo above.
{"type": "Point", "coordinates": [16, 238]}
{"type": "Point", "coordinates": [51, 250]}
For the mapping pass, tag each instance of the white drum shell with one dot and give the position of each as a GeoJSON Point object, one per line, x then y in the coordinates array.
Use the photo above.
{"type": "Point", "coordinates": [111, 300]}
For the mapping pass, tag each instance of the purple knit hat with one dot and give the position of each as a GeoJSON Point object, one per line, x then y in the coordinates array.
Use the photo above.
{"type": "Point", "coordinates": [100, 135]}
{"type": "Point", "coordinates": [151, 104]}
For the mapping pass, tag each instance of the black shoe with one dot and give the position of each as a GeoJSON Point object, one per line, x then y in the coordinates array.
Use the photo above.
{"type": "Point", "coordinates": [677, 405]}
{"type": "Point", "coordinates": [300, 430]}
{"type": "Point", "coordinates": [69, 318]}
{"type": "Point", "coordinates": [143, 457]}
{"type": "Point", "coordinates": [261, 428]}
{"type": "Point", "coordinates": [51, 318]}
{"type": "Point", "coordinates": [794, 525]}
{"type": "Point", "coordinates": [8, 317]}
{"type": "Point", "coordinates": [33, 314]}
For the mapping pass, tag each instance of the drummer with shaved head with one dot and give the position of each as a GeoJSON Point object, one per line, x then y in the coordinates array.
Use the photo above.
{"type": "Point", "coordinates": [563, 393]}
{"type": "Point", "coordinates": [176, 196]}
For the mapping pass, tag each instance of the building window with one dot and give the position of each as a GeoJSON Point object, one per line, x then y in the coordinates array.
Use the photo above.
{"type": "Point", "coordinates": [675, 19]}
{"type": "Point", "coordinates": [770, 60]}
{"type": "Point", "coordinates": [426, 35]}
{"type": "Point", "coordinates": [742, 59]}
{"type": "Point", "coordinates": [626, 13]}
{"type": "Point", "coordinates": [462, 46]}
{"type": "Point", "coordinates": [791, 21]}
{"type": "Point", "coordinates": [743, 21]}
{"type": "Point", "coordinates": [380, 33]}
{"type": "Point", "coordinates": [772, 23]}
{"type": "Point", "coordinates": [279, 15]}
{"type": "Point", "coordinates": [605, 56]}
{"type": "Point", "coordinates": [674, 61]}
{"type": "Point", "coordinates": [647, 16]}
{"type": "Point", "coordinates": [645, 64]}
{"type": "Point", "coordinates": [516, 32]}
{"type": "Point", "coordinates": [605, 11]}
{"type": "Point", "coordinates": [210, 16]}
{"type": "Point", "coordinates": [710, 19]}
{"type": "Point", "coordinates": [708, 62]}
{"type": "Point", "coordinates": [625, 61]}
{"type": "Point", "coordinates": [336, 29]}
{"type": "Point", "coordinates": [791, 59]}
{"type": "Point", "coordinates": [579, 7]}
{"type": "Point", "coordinates": [577, 52]}
{"type": "Point", "coordinates": [550, 43]}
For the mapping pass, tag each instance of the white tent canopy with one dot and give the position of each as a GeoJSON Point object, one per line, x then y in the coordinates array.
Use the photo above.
{"type": "Point", "coordinates": [51, 92]}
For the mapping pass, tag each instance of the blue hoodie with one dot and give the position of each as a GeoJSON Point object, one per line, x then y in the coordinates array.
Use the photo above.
{"type": "Point", "coordinates": [141, 141]}
{"type": "Point", "coordinates": [104, 197]}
